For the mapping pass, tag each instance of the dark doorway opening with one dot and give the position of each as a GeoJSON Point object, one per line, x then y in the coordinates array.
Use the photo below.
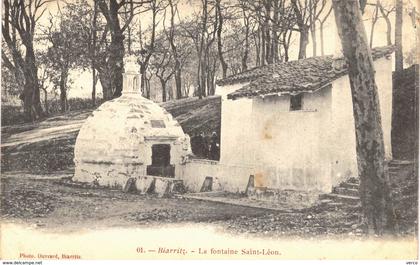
{"type": "Point", "coordinates": [161, 161]}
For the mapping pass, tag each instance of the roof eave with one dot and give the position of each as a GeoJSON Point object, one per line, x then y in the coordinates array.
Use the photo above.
{"type": "Point", "coordinates": [280, 93]}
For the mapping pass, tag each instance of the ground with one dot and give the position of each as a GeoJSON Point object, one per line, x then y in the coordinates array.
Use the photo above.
{"type": "Point", "coordinates": [49, 203]}
{"type": "Point", "coordinates": [37, 164]}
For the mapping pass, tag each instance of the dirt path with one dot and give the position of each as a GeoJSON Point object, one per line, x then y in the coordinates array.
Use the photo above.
{"type": "Point", "coordinates": [48, 204]}
{"type": "Point", "coordinates": [54, 127]}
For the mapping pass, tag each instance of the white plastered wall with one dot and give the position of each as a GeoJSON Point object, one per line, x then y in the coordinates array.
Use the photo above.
{"type": "Point", "coordinates": [343, 151]}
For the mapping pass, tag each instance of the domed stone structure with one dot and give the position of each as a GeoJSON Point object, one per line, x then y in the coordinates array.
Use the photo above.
{"type": "Point", "coordinates": [129, 137]}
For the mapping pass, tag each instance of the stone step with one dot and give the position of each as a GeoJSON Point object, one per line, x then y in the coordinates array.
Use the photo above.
{"type": "Point", "coordinates": [346, 191]}
{"type": "Point", "coordinates": [341, 198]}
{"type": "Point", "coordinates": [400, 162]}
{"type": "Point", "coordinates": [333, 205]}
{"type": "Point", "coordinates": [394, 169]}
{"type": "Point", "coordinates": [349, 185]}
{"type": "Point", "coordinates": [353, 180]}
{"type": "Point", "coordinates": [329, 204]}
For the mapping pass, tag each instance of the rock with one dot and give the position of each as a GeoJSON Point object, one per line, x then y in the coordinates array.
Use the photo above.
{"type": "Point", "coordinates": [162, 187]}
{"type": "Point", "coordinates": [130, 185]}
{"type": "Point", "coordinates": [144, 184]}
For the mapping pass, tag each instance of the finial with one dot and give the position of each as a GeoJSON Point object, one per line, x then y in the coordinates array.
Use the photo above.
{"type": "Point", "coordinates": [130, 65]}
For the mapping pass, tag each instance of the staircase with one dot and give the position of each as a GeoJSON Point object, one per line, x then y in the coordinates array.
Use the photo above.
{"type": "Point", "coordinates": [347, 193]}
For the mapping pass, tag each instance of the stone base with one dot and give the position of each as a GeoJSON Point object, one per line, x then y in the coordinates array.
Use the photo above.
{"type": "Point", "coordinates": [159, 185]}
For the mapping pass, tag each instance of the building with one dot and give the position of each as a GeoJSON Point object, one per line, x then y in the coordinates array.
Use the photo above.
{"type": "Point", "coordinates": [129, 137]}
{"type": "Point", "coordinates": [291, 126]}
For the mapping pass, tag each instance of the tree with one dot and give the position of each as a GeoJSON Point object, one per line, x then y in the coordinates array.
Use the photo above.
{"type": "Point", "coordinates": [321, 29]}
{"type": "Point", "coordinates": [201, 30]}
{"type": "Point", "coordinates": [67, 49]}
{"type": "Point", "coordinates": [162, 65]}
{"type": "Point", "coordinates": [286, 25]}
{"type": "Point", "coordinates": [374, 187]}
{"type": "Point", "coordinates": [385, 12]}
{"type": "Point", "coordinates": [19, 22]}
{"type": "Point", "coordinates": [174, 49]}
{"type": "Point", "coordinates": [147, 49]}
{"type": "Point", "coordinates": [307, 13]}
{"type": "Point", "coordinates": [44, 79]}
{"type": "Point", "coordinates": [12, 76]}
{"type": "Point", "coordinates": [111, 10]}
{"type": "Point", "coordinates": [87, 21]}
{"type": "Point", "coordinates": [10, 85]}
{"type": "Point", "coordinates": [247, 28]}
{"type": "Point", "coordinates": [399, 59]}
{"type": "Point", "coordinates": [219, 17]}
{"type": "Point", "coordinates": [92, 50]}
{"type": "Point", "coordinates": [374, 20]}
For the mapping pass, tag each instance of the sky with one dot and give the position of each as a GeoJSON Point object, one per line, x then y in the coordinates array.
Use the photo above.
{"type": "Point", "coordinates": [83, 83]}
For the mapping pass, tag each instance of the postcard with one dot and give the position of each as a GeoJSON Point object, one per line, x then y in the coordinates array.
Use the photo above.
{"type": "Point", "coordinates": [209, 130]}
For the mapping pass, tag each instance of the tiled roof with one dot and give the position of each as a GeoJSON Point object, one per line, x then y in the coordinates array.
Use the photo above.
{"type": "Point", "coordinates": [304, 75]}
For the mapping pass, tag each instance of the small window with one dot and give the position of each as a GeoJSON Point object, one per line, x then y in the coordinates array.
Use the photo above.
{"type": "Point", "coordinates": [296, 102]}
{"type": "Point", "coordinates": [157, 124]}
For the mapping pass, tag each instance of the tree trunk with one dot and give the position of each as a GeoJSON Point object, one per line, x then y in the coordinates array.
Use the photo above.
{"type": "Point", "coordinates": [268, 51]}
{"type": "Point", "coordinates": [129, 41]}
{"type": "Point", "coordinates": [321, 29]}
{"type": "Point", "coordinates": [199, 89]}
{"type": "Point", "coordinates": [399, 65]}
{"type": "Point", "coordinates": [143, 69]}
{"type": "Point", "coordinates": [177, 68]}
{"type": "Point", "coordinates": [257, 48]}
{"type": "Point", "coordinates": [246, 51]}
{"type": "Point", "coordinates": [203, 77]}
{"type": "Point", "coordinates": [286, 44]}
{"type": "Point", "coordinates": [106, 84]}
{"type": "Point", "coordinates": [275, 38]}
{"type": "Point", "coordinates": [372, 30]}
{"type": "Point", "coordinates": [303, 42]}
{"type": "Point", "coordinates": [286, 54]}
{"type": "Point", "coordinates": [388, 31]}
{"type": "Point", "coordinates": [321, 33]}
{"type": "Point", "coordinates": [46, 101]}
{"type": "Point", "coordinates": [116, 64]}
{"type": "Point", "coordinates": [93, 86]}
{"type": "Point", "coordinates": [147, 82]}
{"type": "Point", "coordinates": [16, 19]}
{"type": "Point", "coordinates": [219, 39]}
{"type": "Point", "coordinates": [93, 52]}
{"type": "Point", "coordinates": [374, 188]}
{"type": "Point", "coordinates": [163, 85]}
{"type": "Point", "coordinates": [31, 101]}
{"type": "Point", "coordinates": [374, 20]}
{"type": "Point", "coordinates": [263, 47]}
{"type": "Point", "coordinates": [313, 37]}
{"type": "Point", "coordinates": [178, 80]}
{"type": "Point", "coordinates": [388, 24]}
{"type": "Point", "coordinates": [144, 85]}
{"type": "Point", "coordinates": [63, 90]}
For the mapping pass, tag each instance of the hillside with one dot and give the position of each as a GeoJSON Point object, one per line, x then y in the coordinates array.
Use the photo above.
{"type": "Point", "coordinates": [47, 146]}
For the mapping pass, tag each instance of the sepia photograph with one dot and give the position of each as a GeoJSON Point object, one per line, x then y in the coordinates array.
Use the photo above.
{"type": "Point", "coordinates": [209, 130]}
